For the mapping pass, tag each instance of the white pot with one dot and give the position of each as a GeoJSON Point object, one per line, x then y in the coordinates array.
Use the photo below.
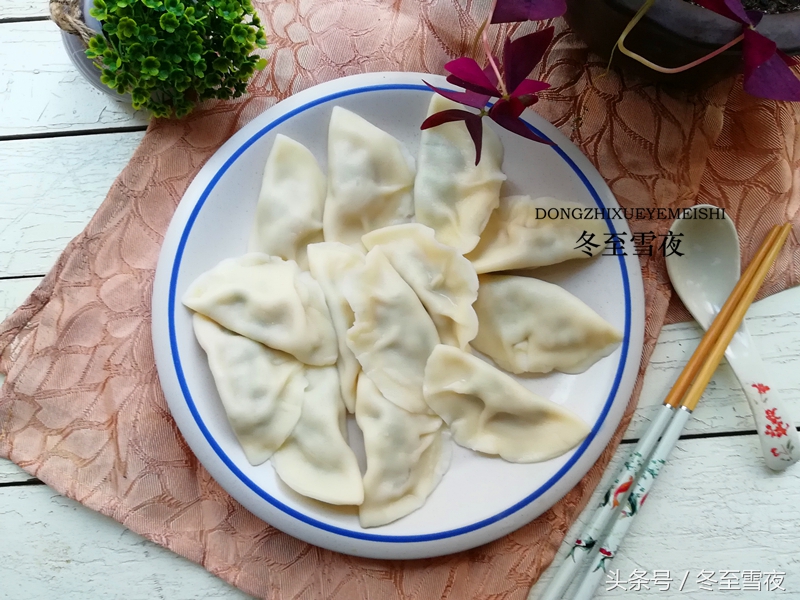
{"type": "Point", "coordinates": [76, 52]}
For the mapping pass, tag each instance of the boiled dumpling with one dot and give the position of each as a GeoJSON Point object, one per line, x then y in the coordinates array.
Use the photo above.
{"type": "Point", "coordinates": [522, 234]}
{"type": "Point", "coordinates": [441, 277]}
{"type": "Point", "coordinates": [530, 326]}
{"type": "Point", "coordinates": [261, 389]}
{"type": "Point", "coordinates": [452, 195]}
{"type": "Point", "coordinates": [407, 454]}
{"type": "Point", "coordinates": [315, 460]}
{"type": "Point", "coordinates": [289, 210]}
{"type": "Point", "coordinates": [271, 301]}
{"type": "Point", "coordinates": [393, 335]}
{"type": "Point", "coordinates": [370, 179]}
{"type": "Point", "coordinates": [330, 262]}
{"type": "Point", "coordinates": [488, 411]}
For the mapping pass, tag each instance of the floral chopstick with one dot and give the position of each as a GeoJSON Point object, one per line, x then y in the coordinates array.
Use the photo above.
{"type": "Point", "coordinates": [615, 496]}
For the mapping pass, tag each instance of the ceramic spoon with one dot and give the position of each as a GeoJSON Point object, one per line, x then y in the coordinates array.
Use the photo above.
{"type": "Point", "coordinates": [703, 278]}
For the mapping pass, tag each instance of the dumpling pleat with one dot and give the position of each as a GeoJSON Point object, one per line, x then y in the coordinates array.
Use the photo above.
{"type": "Point", "coordinates": [407, 455]}
{"type": "Point", "coordinates": [488, 411]}
{"type": "Point", "coordinates": [315, 460]}
{"type": "Point", "coordinates": [530, 326]}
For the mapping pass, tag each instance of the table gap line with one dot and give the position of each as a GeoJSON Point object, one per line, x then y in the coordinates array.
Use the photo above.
{"type": "Point", "coordinates": [12, 277]}
{"type": "Point", "coordinates": [8, 484]}
{"type": "Point", "coordinates": [14, 137]}
{"type": "Point", "coordinates": [4, 20]}
{"type": "Point", "coordinates": [701, 436]}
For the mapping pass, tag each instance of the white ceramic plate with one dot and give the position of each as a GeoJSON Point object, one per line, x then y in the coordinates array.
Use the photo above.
{"type": "Point", "coordinates": [481, 498]}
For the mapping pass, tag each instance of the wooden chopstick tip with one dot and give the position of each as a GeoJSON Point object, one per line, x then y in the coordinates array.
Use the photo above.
{"type": "Point", "coordinates": [767, 254]}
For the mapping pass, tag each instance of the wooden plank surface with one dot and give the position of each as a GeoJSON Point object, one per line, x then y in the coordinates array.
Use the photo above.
{"type": "Point", "coordinates": [11, 474]}
{"type": "Point", "coordinates": [51, 188]}
{"type": "Point", "coordinates": [13, 293]}
{"type": "Point", "coordinates": [42, 91]}
{"type": "Point", "coordinates": [23, 9]}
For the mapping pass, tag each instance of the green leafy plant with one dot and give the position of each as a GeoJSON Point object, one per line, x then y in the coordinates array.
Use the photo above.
{"type": "Point", "coordinates": [170, 54]}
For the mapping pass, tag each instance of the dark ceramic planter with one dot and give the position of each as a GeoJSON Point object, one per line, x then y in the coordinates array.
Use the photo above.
{"type": "Point", "coordinates": [671, 34]}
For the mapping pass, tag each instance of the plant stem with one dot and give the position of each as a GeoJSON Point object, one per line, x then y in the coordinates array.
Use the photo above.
{"type": "Point", "coordinates": [641, 59]}
{"type": "Point", "coordinates": [477, 41]}
{"type": "Point", "coordinates": [482, 28]}
{"type": "Point", "coordinates": [483, 37]}
{"type": "Point", "coordinates": [496, 70]}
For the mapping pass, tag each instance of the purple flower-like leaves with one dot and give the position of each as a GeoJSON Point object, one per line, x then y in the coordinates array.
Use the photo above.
{"type": "Point", "coordinates": [767, 72]}
{"type": "Point", "coordinates": [515, 92]}
{"type": "Point", "coordinates": [512, 11]}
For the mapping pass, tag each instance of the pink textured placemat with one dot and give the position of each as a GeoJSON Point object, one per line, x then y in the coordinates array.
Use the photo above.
{"type": "Point", "coordinates": [82, 409]}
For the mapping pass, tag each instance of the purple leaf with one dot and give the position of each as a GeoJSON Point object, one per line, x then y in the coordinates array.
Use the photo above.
{"type": "Point", "coordinates": [471, 120]}
{"type": "Point", "coordinates": [493, 93]}
{"type": "Point", "coordinates": [754, 16]}
{"type": "Point", "coordinates": [475, 129]}
{"type": "Point", "coordinates": [513, 106]}
{"type": "Point", "coordinates": [766, 73]}
{"type": "Point", "coordinates": [529, 87]}
{"type": "Point", "coordinates": [468, 98]}
{"type": "Point", "coordinates": [523, 54]}
{"type": "Point", "coordinates": [773, 80]}
{"type": "Point", "coordinates": [513, 11]}
{"type": "Point", "coordinates": [446, 116]}
{"type": "Point", "coordinates": [466, 73]}
{"type": "Point", "coordinates": [756, 50]}
{"type": "Point", "coordinates": [732, 9]}
{"type": "Point", "coordinates": [489, 72]}
{"type": "Point", "coordinates": [505, 114]}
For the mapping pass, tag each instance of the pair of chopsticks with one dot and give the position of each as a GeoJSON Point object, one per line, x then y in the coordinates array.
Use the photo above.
{"type": "Point", "coordinates": [637, 475]}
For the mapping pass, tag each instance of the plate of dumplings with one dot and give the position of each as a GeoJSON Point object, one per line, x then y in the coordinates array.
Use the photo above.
{"type": "Point", "coordinates": [382, 348]}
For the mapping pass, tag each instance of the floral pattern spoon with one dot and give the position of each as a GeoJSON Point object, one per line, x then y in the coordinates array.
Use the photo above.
{"type": "Point", "coordinates": [703, 274]}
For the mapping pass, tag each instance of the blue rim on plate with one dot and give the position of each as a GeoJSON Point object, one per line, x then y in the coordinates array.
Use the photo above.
{"type": "Point", "coordinates": [274, 501]}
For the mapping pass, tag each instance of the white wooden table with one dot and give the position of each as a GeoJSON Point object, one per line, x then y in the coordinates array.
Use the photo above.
{"type": "Point", "coordinates": [715, 508]}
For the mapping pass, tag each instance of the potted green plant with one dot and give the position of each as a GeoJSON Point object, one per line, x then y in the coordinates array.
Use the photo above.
{"type": "Point", "coordinates": [167, 55]}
